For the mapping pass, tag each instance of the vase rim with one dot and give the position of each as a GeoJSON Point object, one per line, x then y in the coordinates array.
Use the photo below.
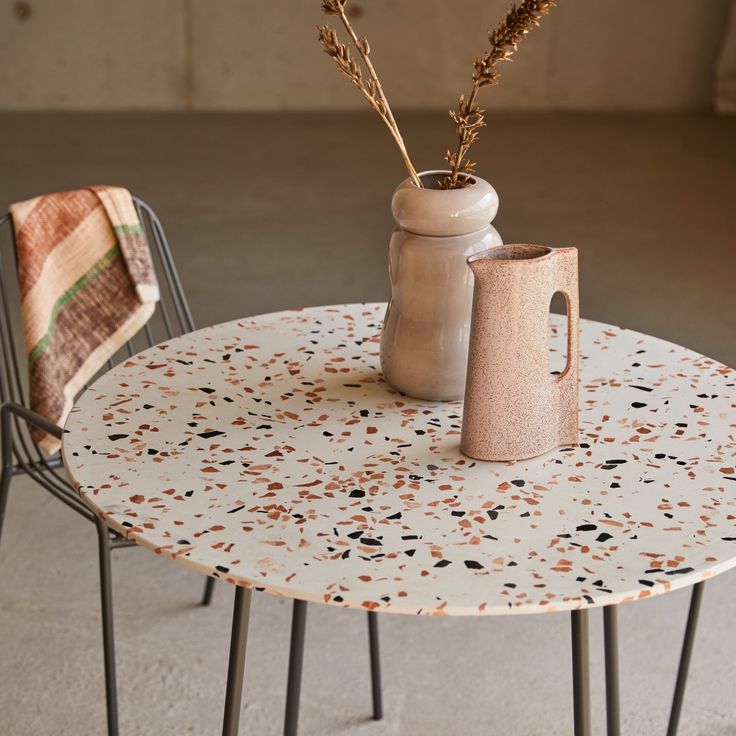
{"type": "Point", "coordinates": [444, 212]}
{"type": "Point", "coordinates": [473, 181]}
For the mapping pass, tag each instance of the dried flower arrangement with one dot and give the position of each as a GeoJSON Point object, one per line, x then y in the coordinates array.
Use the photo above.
{"type": "Point", "coordinates": [468, 118]}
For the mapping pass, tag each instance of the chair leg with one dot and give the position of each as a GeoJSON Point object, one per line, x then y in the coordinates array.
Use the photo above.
{"type": "Point", "coordinates": [5, 478]}
{"type": "Point", "coordinates": [7, 461]}
{"type": "Point", "coordinates": [375, 666]}
{"type": "Point", "coordinates": [108, 634]}
{"type": "Point", "coordinates": [296, 661]}
{"type": "Point", "coordinates": [209, 589]}
{"type": "Point", "coordinates": [685, 656]}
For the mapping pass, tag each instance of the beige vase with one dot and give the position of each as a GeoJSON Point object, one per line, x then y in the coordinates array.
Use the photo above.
{"type": "Point", "coordinates": [514, 407]}
{"type": "Point", "coordinates": [424, 343]}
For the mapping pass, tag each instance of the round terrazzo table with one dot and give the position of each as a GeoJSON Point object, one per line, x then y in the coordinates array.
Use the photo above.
{"type": "Point", "coordinates": [269, 453]}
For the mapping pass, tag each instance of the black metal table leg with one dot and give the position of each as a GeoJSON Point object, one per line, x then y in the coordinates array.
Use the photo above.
{"type": "Point", "coordinates": [236, 664]}
{"type": "Point", "coordinates": [580, 672]}
{"type": "Point", "coordinates": [209, 589]}
{"type": "Point", "coordinates": [296, 661]}
{"type": "Point", "coordinates": [108, 632]}
{"type": "Point", "coordinates": [375, 665]}
{"type": "Point", "coordinates": [685, 656]}
{"type": "Point", "coordinates": [610, 637]}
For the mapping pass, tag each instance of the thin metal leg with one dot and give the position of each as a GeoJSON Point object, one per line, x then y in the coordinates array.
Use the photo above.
{"type": "Point", "coordinates": [685, 656]}
{"type": "Point", "coordinates": [5, 479]}
{"type": "Point", "coordinates": [610, 636]}
{"type": "Point", "coordinates": [108, 632]}
{"type": "Point", "coordinates": [375, 665]}
{"type": "Point", "coordinates": [236, 664]}
{"type": "Point", "coordinates": [209, 589]}
{"type": "Point", "coordinates": [581, 672]}
{"type": "Point", "coordinates": [7, 461]}
{"type": "Point", "coordinates": [296, 661]}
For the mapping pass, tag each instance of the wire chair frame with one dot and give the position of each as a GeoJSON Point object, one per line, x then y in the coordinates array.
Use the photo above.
{"type": "Point", "coordinates": [172, 317]}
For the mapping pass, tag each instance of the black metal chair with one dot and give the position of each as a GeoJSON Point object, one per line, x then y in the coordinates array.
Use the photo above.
{"type": "Point", "coordinates": [20, 454]}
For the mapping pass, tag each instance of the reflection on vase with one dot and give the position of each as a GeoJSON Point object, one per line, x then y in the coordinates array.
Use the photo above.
{"type": "Point", "coordinates": [424, 344]}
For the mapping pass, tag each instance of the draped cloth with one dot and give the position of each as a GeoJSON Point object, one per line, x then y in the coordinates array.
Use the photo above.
{"type": "Point", "coordinates": [87, 285]}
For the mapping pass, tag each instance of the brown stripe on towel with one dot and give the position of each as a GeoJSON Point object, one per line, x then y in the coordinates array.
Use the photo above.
{"type": "Point", "coordinates": [47, 225]}
{"type": "Point", "coordinates": [56, 365]}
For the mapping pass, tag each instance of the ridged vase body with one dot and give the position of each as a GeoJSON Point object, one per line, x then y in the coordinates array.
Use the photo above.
{"type": "Point", "coordinates": [424, 343]}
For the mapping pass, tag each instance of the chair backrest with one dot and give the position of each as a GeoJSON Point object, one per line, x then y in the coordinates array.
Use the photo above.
{"type": "Point", "coordinates": [171, 319]}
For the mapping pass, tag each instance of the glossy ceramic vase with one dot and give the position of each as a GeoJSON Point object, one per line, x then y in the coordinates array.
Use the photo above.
{"type": "Point", "coordinates": [514, 407]}
{"type": "Point", "coordinates": [424, 343]}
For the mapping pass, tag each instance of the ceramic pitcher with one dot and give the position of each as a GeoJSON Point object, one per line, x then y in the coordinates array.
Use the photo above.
{"type": "Point", "coordinates": [424, 343]}
{"type": "Point", "coordinates": [514, 407]}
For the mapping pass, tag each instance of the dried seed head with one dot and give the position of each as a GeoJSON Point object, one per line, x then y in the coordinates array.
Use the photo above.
{"type": "Point", "coordinates": [363, 77]}
{"type": "Point", "coordinates": [468, 118]}
{"type": "Point", "coordinates": [328, 39]}
{"type": "Point", "coordinates": [333, 7]}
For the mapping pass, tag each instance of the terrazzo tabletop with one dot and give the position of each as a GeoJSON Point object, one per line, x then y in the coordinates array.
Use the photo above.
{"type": "Point", "coordinates": [270, 453]}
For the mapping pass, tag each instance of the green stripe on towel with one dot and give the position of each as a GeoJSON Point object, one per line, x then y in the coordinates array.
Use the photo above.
{"type": "Point", "coordinates": [68, 295]}
{"type": "Point", "coordinates": [128, 229]}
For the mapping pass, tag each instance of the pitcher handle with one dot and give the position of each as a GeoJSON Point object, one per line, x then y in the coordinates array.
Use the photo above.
{"type": "Point", "coordinates": [566, 282]}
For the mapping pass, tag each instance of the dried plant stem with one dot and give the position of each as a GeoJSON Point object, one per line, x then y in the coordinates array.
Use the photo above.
{"type": "Point", "coordinates": [397, 137]}
{"type": "Point", "coordinates": [370, 89]}
{"type": "Point", "coordinates": [364, 52]}
{"type": "Point", "coordinates": [469, 117]}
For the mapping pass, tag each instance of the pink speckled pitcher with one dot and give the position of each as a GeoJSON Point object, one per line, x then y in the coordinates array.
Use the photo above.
{"type": "Point", "coordinates": [514, 407]}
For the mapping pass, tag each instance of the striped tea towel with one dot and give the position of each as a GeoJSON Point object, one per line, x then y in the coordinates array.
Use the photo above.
{"type": "Point", "coordinates": [87, 285]}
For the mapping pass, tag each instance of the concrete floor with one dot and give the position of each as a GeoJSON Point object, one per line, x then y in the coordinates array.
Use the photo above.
{"type": "Point", "coordinates": [266, 212]}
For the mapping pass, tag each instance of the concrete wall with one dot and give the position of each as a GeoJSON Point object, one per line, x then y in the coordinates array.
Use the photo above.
{"type": "Point", "coordinates": [263, 54]}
